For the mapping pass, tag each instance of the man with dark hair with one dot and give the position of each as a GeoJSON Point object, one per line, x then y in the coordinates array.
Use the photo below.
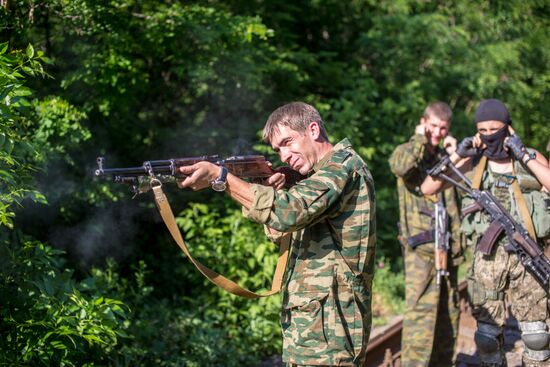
{"type": "Point", "coordinates": [326, 315]}
{"type": "Point", "coordinates": [430, 322]}
{"type": "Point", "coordinates": [496, 160]}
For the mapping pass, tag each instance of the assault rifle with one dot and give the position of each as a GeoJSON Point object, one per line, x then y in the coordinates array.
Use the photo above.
{"type": "Point", "coordinates": [150, 176]}
{"type": "Point", "coordinates": [142, 178]}
{"type": "Point", "coordinates": [441, 234]}
{"type": "Point", "coordinates": [519, 241]}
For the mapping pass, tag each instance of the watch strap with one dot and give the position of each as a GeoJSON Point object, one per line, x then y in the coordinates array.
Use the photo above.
{"type": "Point", "coordinates": [530, 156]}
{"type": "Point", "coordinates": [219, 184]}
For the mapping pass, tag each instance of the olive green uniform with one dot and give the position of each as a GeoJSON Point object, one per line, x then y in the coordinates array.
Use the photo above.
{"type": "Point", "coordinates": [430, 322]}
{"type": "Point", "coordinates": [326, 315]}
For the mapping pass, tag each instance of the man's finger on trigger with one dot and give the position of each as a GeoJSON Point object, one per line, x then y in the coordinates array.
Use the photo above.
{"type": "Point", "coordinates": [190, 181]}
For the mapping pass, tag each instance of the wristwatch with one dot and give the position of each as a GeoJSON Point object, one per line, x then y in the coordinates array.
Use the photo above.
{"type": "Point", "coordinates": [220, 183]}
{"type": "Point", "coordinates": [529, 157]}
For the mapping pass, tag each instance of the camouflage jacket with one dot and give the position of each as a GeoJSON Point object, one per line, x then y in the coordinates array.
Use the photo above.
{"type": "Point", "coordinates": [326, 314]}
{"type": "Point", "coordinates": [410, 162]}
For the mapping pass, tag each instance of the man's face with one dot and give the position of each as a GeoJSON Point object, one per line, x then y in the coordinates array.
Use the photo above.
{"type": "Point", "coordinates": [489, 127]}
{"type": "Point", "coordinates": [294, 148]}
{"type": "Point", "coordinates": [436, 129]}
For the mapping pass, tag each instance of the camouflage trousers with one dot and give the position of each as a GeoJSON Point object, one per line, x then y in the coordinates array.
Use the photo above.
{"type": "Point", "coordinates": [499, 278]}
{"type": "Point", "coordinates": [328, 327]}
{"type": "Point", "coordinates": [430, 323]}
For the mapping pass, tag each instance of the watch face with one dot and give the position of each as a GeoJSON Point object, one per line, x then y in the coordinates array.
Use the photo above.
{"type": "Point", "coordinates": [218, 186]}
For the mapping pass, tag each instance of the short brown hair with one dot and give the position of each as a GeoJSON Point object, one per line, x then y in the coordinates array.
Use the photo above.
{"type": "Point", "coordinates": [440, 110]}
{"type": "Point", "coordinates": [296, 115]}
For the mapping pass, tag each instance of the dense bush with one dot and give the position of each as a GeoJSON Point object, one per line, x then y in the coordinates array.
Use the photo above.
{"type": "Point", "coordinates": [47, 317]}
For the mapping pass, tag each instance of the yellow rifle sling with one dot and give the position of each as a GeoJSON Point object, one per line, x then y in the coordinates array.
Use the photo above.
{"type": "Point", "coordinates": [478, 174]}
{"type": "Point", "coordinates": [524, 211]}
{"type": "Point", "coordinates": [219, 280]}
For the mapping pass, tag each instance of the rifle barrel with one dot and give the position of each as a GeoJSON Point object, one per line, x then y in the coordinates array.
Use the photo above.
{"type": "Point", "coordinates": [133, 171]}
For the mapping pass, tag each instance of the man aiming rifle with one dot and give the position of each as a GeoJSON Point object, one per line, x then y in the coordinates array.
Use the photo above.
{"type": "Point", "coordinates": [330, 216]}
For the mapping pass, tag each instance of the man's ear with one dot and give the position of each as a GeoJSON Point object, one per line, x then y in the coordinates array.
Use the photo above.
{"type": "Point", "coordinates": [314, 130]}
{"type": "Point", "coordinates": [423, 120]}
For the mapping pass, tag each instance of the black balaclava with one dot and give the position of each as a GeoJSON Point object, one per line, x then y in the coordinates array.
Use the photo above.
{"type": "Point", "coordinates": [495, 144]}
{"type": "Point", "coordinates": [489, 110]}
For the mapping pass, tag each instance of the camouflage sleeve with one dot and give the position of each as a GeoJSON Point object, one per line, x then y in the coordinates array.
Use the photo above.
{"type": "Point", "coordinates": [261, 204]}
{"type": "Point", "coordinates": [274, 236]}
{"type": "Point", "coordinates": [406, 157]}
{"type": "Point", "coordinates": [303, 204]}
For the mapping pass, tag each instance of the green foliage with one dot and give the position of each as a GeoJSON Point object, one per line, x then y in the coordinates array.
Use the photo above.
{"type": "Point", "coordinates": [150, 67]}
{"type": "Point", "coordinates": [186, 338]}
{"type": "Point", "coordinates": [58, 126]}
{"type": "Point", "coordinates": [238, 249]}
{"type": "Point", "coordinates": [15, 171]}
{"type": "Point", "coordinates": [31, 131]}
{"type": "Point", "coordinates": [47, 318]}
{"type": "Point", "coordinates": [388, 292]}
{"type": "Point", "coordinates": [201, 325]}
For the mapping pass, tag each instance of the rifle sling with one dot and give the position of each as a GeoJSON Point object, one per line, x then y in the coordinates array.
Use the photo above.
{"type": "Point", "coordinates": [226, 284]}
{"type": "Point", "coordinates": [478, 174]}
{"type": "Point", "coordinates": [524, 211]}
{"type": "Point", "coordinates": [522, 205]}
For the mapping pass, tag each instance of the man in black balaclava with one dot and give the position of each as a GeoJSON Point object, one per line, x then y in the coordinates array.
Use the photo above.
{"type": "Point", "coordinates": [503, 165]}
{"type": "Point", "coordinates": [494, 110]}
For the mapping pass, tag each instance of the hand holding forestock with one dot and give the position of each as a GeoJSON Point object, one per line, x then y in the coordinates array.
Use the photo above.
{"type": "Point", "coordinates": [520, 241]}
{"type": "Point", "coordinates": [152, 174]}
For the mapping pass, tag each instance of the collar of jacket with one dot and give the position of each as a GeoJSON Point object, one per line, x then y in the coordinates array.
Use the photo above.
{"type": "Point", "coordinates": [343, 144]}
